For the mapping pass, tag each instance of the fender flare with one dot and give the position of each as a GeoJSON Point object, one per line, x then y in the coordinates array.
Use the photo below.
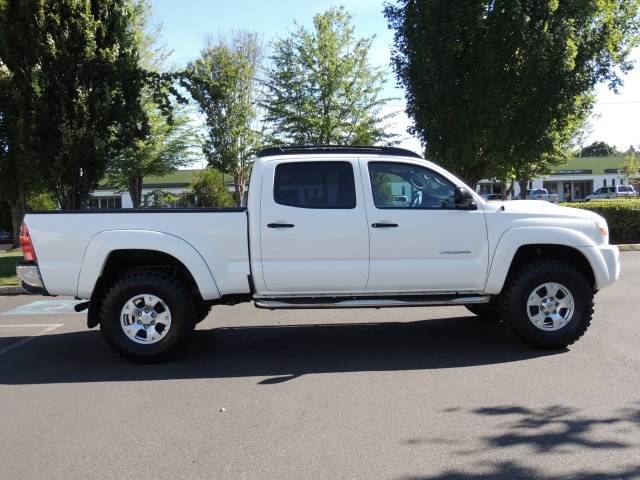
{"type": "Point", "coordinates": [104, 243]}
{"type": "Point", "coordinates": [515, 238]}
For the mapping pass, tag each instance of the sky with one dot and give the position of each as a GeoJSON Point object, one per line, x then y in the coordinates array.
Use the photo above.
{"type": "Point", "coordinates": [187, 23]}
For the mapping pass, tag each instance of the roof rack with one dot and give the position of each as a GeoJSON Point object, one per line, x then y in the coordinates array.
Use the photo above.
{"type": "Point", "coordinates": [298, 149]}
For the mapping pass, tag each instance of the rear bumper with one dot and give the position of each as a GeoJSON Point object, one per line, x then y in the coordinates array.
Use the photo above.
{"type": "Point", "coordinates": [29, 275]}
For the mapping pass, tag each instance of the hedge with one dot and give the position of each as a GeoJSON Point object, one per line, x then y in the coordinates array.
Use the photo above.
{"type": "Point", "coordinates": [622, 215]}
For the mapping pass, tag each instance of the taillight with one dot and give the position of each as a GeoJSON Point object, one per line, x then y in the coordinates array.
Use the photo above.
{"type": "Point", "coordinates": [28, 251]}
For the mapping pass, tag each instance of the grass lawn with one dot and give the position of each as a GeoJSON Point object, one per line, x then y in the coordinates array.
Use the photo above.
{"type": "Point", "coordinates": [8, 262]}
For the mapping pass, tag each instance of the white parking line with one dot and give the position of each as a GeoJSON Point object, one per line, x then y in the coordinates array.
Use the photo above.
{"type": "Point", "coordinates": [33, 325]}
{"type": "Point", "coordinates": [50, 328]}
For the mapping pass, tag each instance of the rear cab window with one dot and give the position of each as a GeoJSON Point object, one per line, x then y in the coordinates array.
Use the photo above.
{"type": "Point", "coordinates": [328, 185]}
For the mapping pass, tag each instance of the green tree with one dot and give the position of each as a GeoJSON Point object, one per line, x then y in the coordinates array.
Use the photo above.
{"type": "Point", "coordinates": [159, 199]}
{"type": "Point", "coordinates": [17, 170]}
{"type": "Point", "coordinates": [74, 88]}
{"type": "Point", "coordinates": [166, 147]}
{"type": "Point", "coordinates": [381, 187]}
{"type": "Point", "coordinates": [223, 82]}
{"type": "Point", "coordinates": [599, 149]}
{"type": "Point", "coordinates": [496, 86]}
{"type": "Point", "coordinates": [169, 143]}
{"type": "Point", "coordinates": [630, 168]}
{"type": "Point", "coordinates": [321, 88]}
{"type": "Point", "coordinates": [208, 189]}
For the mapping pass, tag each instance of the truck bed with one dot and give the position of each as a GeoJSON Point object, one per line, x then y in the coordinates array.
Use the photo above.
{"type": "Point", "coordinates": [73, 246]}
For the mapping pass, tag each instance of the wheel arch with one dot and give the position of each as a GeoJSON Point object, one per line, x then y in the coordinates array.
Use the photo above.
{"type": "Point", "coordinates": [115, 253]}
{"type": "Point", "coordinates": [570, 255]}
{"type": "Point", "coordinates": [124, 262]}
{"type": "Point", "coordinates": [142, 248]}
{"type": "Point", "coordinates": [520, 255]}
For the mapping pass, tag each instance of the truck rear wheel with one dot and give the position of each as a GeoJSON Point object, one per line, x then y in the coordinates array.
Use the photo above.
{"type": "Point", "coordinates": [548, 304]}
{"type": "Point", "coordinates": [147, 317]}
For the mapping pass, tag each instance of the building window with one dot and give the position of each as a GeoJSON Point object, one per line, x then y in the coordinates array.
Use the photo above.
{"type": "Point", "coordinates": [604, 182]}
{"type": "Point", "coordinates": [613, 182]}
{"type": "Point", "coordinates": [105, 203]}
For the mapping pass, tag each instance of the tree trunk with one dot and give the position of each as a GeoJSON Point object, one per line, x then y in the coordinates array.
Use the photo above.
{"type": "Point", "coordinates": [523, 188]}
{"type": "Point", "coordinates": [17, 211]}
{"type": "Point", "coordinates": [135, 192]}
{"type": "Point", "coordinates": [238, 181]}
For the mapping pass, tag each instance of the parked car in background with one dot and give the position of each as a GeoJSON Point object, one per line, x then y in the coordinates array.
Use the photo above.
{"type": "Point", "coordinates": [542, 194]}
{"type": "Point", "coordinates": [400, 200]}
{"type": "Point", "coordinates": [5, 237]}
{"type": "Point", "coordinates": [613, 191]}
{"type": "Point", "coordinates": [490, 197]}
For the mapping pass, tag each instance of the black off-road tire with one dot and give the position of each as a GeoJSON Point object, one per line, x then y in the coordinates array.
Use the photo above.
{"type": "Point", "coordinates": [537, 299]}
{"type": "Point", "coordinates": [202, 312]}
{"type": "Point", "coordinates": [163, 315]}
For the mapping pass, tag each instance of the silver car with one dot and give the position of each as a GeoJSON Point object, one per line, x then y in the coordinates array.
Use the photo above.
{"type": "Point", "coordinates": [614, 191]}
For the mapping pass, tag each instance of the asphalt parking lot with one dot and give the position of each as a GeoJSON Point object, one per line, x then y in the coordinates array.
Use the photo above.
{"type": "Point", "coordinates": [361, 394]}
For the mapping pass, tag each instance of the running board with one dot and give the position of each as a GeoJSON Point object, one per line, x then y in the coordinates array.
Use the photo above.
{"type": "Point", "coordinates": [369, 302]}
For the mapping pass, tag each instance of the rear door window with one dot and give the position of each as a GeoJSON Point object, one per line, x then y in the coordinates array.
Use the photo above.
{"type": "Point", "coordinates": [328, 185]}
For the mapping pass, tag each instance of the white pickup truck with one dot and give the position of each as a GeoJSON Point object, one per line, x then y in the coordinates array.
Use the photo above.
{"type": "Point", "coordinates": [542, 194]}
{"type": "Point", "coordinates": [322, 229]}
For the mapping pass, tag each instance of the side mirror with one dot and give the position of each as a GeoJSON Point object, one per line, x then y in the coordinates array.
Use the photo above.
{"type": "Point", "coordinates": [463, 199]}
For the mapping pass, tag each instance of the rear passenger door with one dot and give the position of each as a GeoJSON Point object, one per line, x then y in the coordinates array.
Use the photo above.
{"type": "Point", "coordinates": [314, 234]}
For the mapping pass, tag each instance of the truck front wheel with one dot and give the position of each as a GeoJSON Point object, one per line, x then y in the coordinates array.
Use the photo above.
{"type": "Point", "coordinates": [547, 304]}
{"type": "Point", "coordinates": [147, 317]}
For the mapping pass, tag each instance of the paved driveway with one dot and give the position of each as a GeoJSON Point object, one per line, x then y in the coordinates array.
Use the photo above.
{"type": "Point", "coordinates": [400, 394]}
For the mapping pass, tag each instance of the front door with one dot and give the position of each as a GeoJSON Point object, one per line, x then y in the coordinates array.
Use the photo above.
{"type": "Point", "coordinates": [426, 245]}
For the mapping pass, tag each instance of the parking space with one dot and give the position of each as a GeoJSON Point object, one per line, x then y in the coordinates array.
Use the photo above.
{"type": "Point", "coordinates": [24, 318]}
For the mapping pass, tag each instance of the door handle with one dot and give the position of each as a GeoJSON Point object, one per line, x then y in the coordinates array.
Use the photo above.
{"type": "Point", "coordinates": [280, 225]}
{"type": "Point", "coordinates": [384, 225]}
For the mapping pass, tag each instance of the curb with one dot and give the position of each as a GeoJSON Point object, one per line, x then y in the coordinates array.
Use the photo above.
{"type": "Point", "coordinates": [18, 290]}
{"type": "Point", "coordinates": [629, 248]}
{"type": "Point", "coordinates": [13, 290]}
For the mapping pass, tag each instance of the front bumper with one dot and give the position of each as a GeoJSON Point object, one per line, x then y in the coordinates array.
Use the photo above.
{"type": "Point", "coordinates": [29, 275]}
{"type": "Point", "coordinates": [609, 271]}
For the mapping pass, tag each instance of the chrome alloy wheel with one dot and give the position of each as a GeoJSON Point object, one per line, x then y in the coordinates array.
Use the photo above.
{"type": "Point", "coordinates": [145, 319]}
{"type": "Point", "coordinates": [550, 306]}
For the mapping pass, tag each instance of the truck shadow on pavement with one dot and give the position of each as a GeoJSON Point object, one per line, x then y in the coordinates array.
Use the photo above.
{"type": "Point", "coordinates": [278, 353]}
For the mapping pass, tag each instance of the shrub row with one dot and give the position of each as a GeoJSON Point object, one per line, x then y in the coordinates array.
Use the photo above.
{"type": "Point", "coordinates": [622, 215]}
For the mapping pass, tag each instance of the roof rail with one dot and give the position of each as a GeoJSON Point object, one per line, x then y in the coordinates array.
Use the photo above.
{"type": "Point", "coordinates": [298, 149]}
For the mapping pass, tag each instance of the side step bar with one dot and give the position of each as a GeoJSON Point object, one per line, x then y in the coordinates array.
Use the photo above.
{"type": "Point", "coordinates": [369, 302]}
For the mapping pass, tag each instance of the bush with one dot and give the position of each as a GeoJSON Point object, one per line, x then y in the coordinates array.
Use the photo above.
{"type": "Point", "coordinates": [622, 215]}
{"type": "Point", "coordinates": [42, 201]}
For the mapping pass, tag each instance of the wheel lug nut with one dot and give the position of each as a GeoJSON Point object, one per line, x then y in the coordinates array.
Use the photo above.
{"type": "Point", "coordinates": [139, 322]}
{"type": "Point", "coordinates": [557, 304]}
